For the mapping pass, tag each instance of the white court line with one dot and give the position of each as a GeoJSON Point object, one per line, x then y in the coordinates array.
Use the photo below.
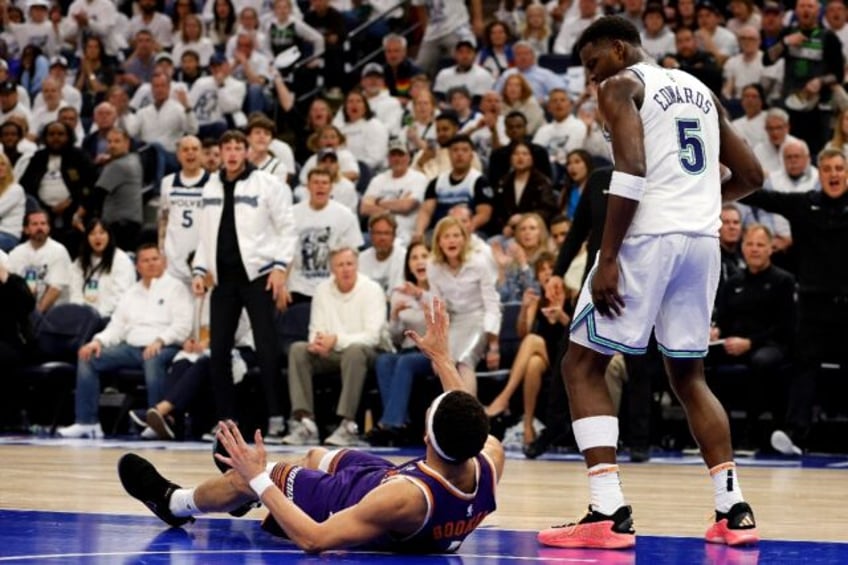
{"type": "Point", "coordinates": [462, 556]}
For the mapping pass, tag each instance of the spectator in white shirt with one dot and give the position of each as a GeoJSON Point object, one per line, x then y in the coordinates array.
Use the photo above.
{"type": "Point", "coordinates": [98, 18]}
{"type": "Point", "coordinates": [10, 105]}
{"type": "Point", "coordinates": [343, 191]}
{"type": "Point", "coordinates": [562, 135]}
{"type": "Point", "coordinates": [465, 73]}
{"type": "Point", "coordinates": [12, 207]}
{"type": "Point", "coordinates": [163, 123]}
{"type": "Point", "coordinates": [52, 102]}
{"type": "Point", "coordinates": [322, 225]}
{"type": "Point", "coordinates": [157, 23]}
{"type": "Point", "coordinates": [260, 135]}
{"type": "Point", "coordinates": [399, 191]}
{"type": "Point", "coordinates": [346, 324]}
{"type": "Point", "coordinates": [713, 38]}
{"type": "Point", "coordinates": [216, 97]}
{"type": "Point", "coordinates": [386, 108]}
{"type": "Point", "coordinates": [752, 124]}
{"type": "Point", "coordinates": [59, 72]}
{"type": "Point", "coordinates": [253, 68]}
{"type": "Point", "coordinates": [465, 282]}
{"type": "Point", "coordinates": [367, 137]}
{"type": "Point", "coordinates": [43, 263]}
{"type": "Point", "coordinates": [744, 68]}
{"type": "Point", "coordinates": [657, 38]}
{"type": "Point", "coordinates": [102, 274]}
{"type": "Point", "coordinates": [770, 152]}
{"type": "Point", "coordinates": [383, 261]}
{"type": "Point", "coordinates": [330, 137]}
{"type": "Point", "coordinates": [587, 12]}
{"type": "Point", "coordinates": [145, 332]}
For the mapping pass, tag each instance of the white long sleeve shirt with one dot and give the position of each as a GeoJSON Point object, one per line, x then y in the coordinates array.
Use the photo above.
{"type": "Point", "coordinates": [103, 291]}
{"type": "Point", "coordinates": [166, 124]}
{"type": "Point", "coordinates": [368, 140]}
{"type": "Point", "coordinates": [471, 289]}
{"type": "Point", "coordinates": [161, 311]}
{"type": "Point", "coordinates": [355, 317]}
{"type": "Point", "coordinates": [12, 208]}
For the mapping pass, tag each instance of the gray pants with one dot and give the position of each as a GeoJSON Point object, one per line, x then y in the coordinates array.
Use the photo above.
{"type": "Point", "coordinates": [353, 364]}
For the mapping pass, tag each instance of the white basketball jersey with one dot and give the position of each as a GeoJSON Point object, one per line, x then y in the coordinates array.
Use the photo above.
{"type": "Point", "coordinates": [681, 132]}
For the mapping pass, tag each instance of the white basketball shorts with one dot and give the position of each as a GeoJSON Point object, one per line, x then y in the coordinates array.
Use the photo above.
{"type": "Point", "coordinates": [668, 282]}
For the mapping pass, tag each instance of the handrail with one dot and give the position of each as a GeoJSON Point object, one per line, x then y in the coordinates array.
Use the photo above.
{"type": "Point", "coordinates": [365, 25]}
{"type": "Point", "coordinates": [350, 67]}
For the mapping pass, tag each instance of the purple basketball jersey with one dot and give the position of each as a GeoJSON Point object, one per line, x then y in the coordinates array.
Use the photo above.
{"type": "Point", "coordinates": [452, 514]}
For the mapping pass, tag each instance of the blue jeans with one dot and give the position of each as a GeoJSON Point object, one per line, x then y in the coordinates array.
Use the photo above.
{"type": "Point", "coordinates": [8, 241]}
{"type": "Point", "coordinates": [255, 100]}
{"type": "Point", "coordinates": [395, 375]}
{"type": "Point", "coordinates": [121, 356]}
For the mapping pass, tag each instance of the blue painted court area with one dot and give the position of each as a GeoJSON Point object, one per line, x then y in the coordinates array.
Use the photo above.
{"type": "Point", "coordinates": [63, 537]}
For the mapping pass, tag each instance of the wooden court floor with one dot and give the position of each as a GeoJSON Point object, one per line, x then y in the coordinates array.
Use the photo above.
{"type": "Point", "coordinates": [791, 503]}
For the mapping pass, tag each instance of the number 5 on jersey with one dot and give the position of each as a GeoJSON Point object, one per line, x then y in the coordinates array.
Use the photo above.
{"type": "Point", "coordinates": [690, 146]}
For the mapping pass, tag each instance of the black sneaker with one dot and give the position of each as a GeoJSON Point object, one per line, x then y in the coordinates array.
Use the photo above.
{"type": "Point", "coordinates": [218, 447]}
{"type": "Point", "coordinates": [162, 425]}
{"type": "Point", "coordinates": [142, 481]}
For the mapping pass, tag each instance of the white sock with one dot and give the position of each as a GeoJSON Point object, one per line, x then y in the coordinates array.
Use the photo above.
{"type": "Point", "coordinates": [275, 425]}
{"type": "Point", "coordinates": [182, 503]}
{"type": "Point", "coordinates": [726, 486]}
{"type": "Point", "coordinates": [605, 488]}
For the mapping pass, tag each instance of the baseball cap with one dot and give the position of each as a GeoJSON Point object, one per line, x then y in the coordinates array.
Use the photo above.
{"type": "Point", "coordinates": [466, 43]}
{"type": "Point", "coordinates": [217, 59]}
{"type": "Point", "coordinates": [772, 6]}
{"type": "Point", "coordinates": [41, 3]}
{"type": "Point", "coordinates": [327, 152]}
{"type": "Point", "coordinates": [372, 69]}
{"type": "Point", "coordinates": [707, 5]}
{"type": "Point", "coordinates": [59, 60]}
{"type": "Point", "coordinates": [398, 145]}
{"type": "Point", "coordinates": [8, 87]}
{"type": "Point", "coordinates": [163, 56]}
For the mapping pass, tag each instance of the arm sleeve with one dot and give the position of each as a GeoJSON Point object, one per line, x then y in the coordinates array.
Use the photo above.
{"type": "Point", "coordinates": [491, 300]}
{"type": "Point", "coordinates": [786, 205]}
{"type": "Point", "coordinates": [311, 35]}
{"type": "Point", "coordinates": [75, 295]}
{"type": "Point", "coordinates": [483, 193]}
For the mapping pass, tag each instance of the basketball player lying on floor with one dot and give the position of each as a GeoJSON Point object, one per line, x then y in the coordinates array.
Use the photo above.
{"type": "Point", "coordinates": [343, 498]}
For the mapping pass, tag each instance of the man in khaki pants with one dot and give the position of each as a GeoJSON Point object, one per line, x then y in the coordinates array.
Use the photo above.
{"type": "Point", "coordinates": [345, 329]}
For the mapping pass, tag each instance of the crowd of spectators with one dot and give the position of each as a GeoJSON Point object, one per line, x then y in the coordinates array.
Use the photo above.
{"type": "Point", "coordinates": [455, 156]}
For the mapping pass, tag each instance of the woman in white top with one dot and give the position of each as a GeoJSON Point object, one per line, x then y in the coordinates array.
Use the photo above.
{"type": "Point", "coordinates": [536, 29]}
{"type": "Point", "coordinates": [367, 137]}
{"type": "Point", "coordinates": [248, 22]}
{"type": "Point", "coordinates": [12, 206]}
{"type": "Point", "coordinates": [222, 25]}
{"type": "Point", "coordinates": [102, 273]}
{"type": "Point", "coordinates": [191, 38]}
{"type": "Point", "coordinates": [396, 372]}
{"type": "Point", "coordinates": [464, 280]}
{"type": "Point", "coordinates": [422, 130]}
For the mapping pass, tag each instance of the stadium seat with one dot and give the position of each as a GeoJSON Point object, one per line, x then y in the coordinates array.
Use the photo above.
{"type": "Point", "coordinates": [59, 334]}
{"type": "Point", "coordinates": [556, 63]}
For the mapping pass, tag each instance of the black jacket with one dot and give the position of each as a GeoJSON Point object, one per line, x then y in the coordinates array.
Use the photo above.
{"type": "Point", "coordinates": [759, 307]}
{"type": "Point", "coordinates": [588, 222]}
{"type": "Point", "coordinates": [538, 196]}
{"type": "Point", "coordinates": [77, 172]}
{"type": "Point", "coordinates": [18, 303]}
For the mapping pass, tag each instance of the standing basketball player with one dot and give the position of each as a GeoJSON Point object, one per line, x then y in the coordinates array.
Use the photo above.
{"type": "Point", "coordinates": [657, 267]}
{"type": "Point", "coordinates": [179, 211]}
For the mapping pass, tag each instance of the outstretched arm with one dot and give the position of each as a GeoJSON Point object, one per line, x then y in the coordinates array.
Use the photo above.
{"type": "Point", "coordinates": [735, 154]}
{"type": "Point", "coordinates": [434, 344]}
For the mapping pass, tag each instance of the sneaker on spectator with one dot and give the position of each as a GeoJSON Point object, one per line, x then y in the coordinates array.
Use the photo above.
{"type": "Point", "coordinates": [301, 432]}
{"type": "Point", "coordinates": [139, 417]}
{"type": "Point", "coordinates": [782, 443]}
{"type": "Point", "coordinates": [346, 435]}
{"type": "Point", "coordinates": [148, 433]}
{"type": "Point", "coordinates": [276, 430]}
{"type": "Point", "coordinates": [159, 424]}
{"type": "Point", "coordinates": [90, 431]}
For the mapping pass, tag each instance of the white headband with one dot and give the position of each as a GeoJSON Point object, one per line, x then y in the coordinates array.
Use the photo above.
{"type": "Point", "coordinates": [430, 417]}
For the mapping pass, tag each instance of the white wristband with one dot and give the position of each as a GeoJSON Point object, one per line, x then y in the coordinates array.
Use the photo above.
{"type": "Point", "coordinates": [260, 483]}
{"type": "Point", "coordinates": [627, 185]}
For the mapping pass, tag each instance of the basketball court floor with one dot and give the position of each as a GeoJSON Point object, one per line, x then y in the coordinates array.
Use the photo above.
{"type": "Point", "coordinates": [61, 502]}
